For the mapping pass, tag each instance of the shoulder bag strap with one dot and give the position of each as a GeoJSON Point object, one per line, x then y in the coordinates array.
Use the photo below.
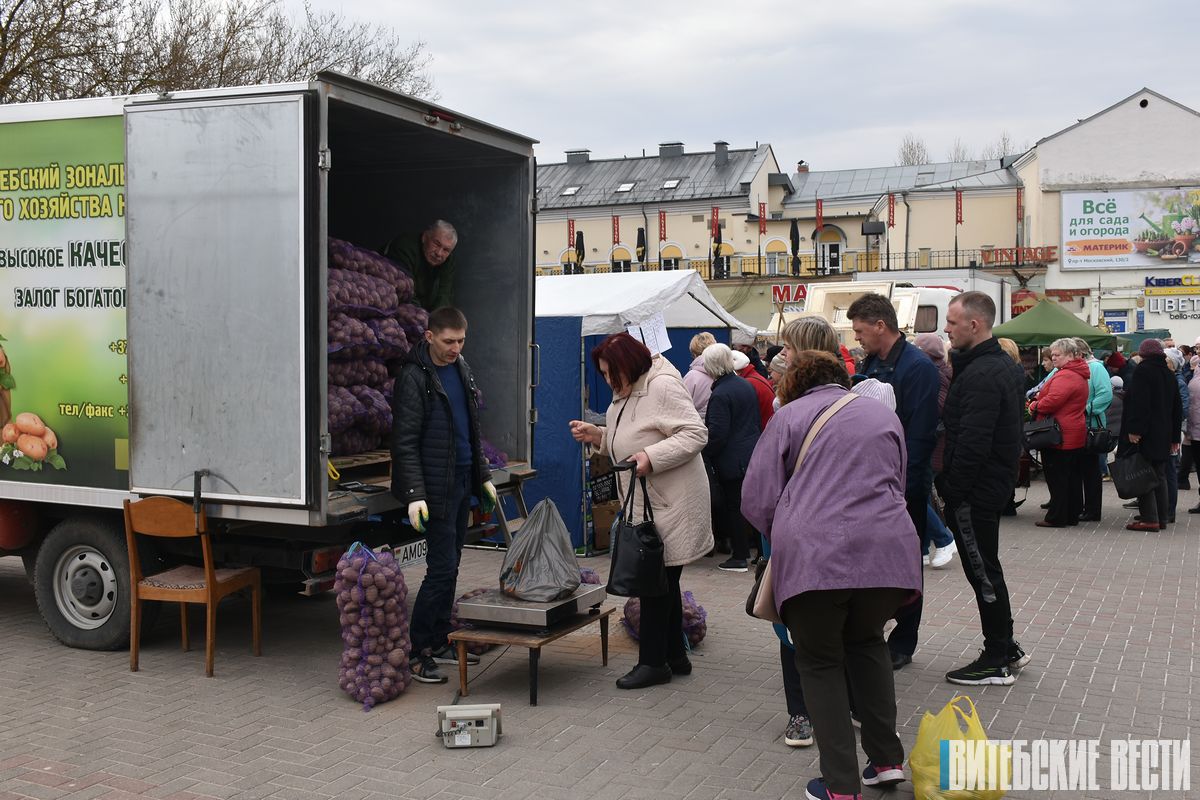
{"type": "Point", "coordinates": [820, 423]}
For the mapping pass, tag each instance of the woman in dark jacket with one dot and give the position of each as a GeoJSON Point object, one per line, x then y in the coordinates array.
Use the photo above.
{"type": "Point", "coordinates": [1064, 397]}
{"type": "Point", "coordinates": [1150, 424]}
{"type": "Point", "coordinates": [732, 419]}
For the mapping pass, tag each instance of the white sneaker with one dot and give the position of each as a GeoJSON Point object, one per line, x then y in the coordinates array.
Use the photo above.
{"type": "Point", "coordinates": [942, 555]}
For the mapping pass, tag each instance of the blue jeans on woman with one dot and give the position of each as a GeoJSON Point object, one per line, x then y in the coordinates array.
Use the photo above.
{"type": "Point", "coordinates": [935, 530]}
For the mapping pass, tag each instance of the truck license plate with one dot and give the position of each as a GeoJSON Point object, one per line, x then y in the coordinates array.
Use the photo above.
{"type": "Point", "coordinates": [412, 554]}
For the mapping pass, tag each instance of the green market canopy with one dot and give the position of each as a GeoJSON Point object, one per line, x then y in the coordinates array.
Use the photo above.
{"type": "Point", "coordinates": [1047, 321]}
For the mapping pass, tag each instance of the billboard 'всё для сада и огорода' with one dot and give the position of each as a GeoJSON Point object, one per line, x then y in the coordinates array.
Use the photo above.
{"type": "Point", "coordinates": [1130, 229]}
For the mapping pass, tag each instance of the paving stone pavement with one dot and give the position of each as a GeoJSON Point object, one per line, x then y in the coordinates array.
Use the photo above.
{"type": "Point", "coordinates": [1108, 615]}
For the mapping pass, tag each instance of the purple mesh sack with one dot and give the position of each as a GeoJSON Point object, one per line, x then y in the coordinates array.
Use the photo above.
{"type": "Point", "coordinates": [372, 607]}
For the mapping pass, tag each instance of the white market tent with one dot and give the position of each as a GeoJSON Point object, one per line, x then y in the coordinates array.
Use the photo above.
{"type": "Point", "coordinates": [607, 302]}
{"type": "Point", "coordinates": [571, 308]}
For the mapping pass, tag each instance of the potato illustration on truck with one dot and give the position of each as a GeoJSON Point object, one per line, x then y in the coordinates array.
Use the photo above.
{"type": "Point", "coordinates": [28, 444]}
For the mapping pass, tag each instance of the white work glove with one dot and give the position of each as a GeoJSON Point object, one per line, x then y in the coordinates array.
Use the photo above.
{"type": "Point", "coordinates": [489, 501]}
{"type": "Point", "coordinates": [418, 514]}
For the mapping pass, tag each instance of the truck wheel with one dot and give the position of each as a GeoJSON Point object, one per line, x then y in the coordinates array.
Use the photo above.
{"type": "Point", "coordinates": [81, 581]}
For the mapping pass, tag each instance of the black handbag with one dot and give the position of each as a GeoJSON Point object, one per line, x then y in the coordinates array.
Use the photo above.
{"type": "Point", "coordinates": [637, 569]}
{"type": "Point", "coordinates": [1133, 476]}
{"type": "Point", "coordinates": [1100, 439]}
{"type": "Point", "coordinates": [1042, 433]}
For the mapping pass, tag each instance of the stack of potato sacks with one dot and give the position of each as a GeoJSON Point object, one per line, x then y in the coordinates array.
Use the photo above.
{"type": "Point", "coordinates": [372, 325]}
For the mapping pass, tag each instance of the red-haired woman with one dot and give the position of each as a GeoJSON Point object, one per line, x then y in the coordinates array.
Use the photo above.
{"type": "Point", "coordinates": [652, 423]}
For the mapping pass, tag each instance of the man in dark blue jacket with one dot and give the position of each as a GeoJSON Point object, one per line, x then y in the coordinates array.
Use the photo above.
{"type": "Point", "coordinates": [437, 466]}
{"type": "Point", "coordinates": [914, 377]}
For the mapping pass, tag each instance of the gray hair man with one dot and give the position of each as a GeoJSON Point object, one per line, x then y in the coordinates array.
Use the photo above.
{"type": "Point", "coordinates": [429, 259]}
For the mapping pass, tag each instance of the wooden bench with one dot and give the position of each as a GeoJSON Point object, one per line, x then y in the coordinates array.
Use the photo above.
{"type": "Point", "coordinates": [534, 640]}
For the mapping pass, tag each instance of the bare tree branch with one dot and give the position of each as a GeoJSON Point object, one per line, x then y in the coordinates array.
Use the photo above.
{"type": "Point", "coordinates": [959, 152]}
{"type": "Point", "coordinates": [912, 151]}
{"type": "Point", "coordinates": [56, 49]}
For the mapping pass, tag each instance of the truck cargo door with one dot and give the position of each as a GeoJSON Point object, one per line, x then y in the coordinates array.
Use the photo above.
{"type": "Point", "coordinates": [218, 264]}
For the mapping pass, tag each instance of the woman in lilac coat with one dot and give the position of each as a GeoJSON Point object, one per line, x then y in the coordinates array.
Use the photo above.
{"type": "Point", "coordinates": [844, 558]}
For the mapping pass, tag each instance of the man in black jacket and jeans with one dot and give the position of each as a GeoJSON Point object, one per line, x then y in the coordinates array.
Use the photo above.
{"type": "Point", "coordinates": [437, 466]}
{"type": "Point", "coordinates": [983, 419]}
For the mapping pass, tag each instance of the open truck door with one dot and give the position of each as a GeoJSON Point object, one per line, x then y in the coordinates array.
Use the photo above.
{"type": "Point", "coordinates": [220, 272]}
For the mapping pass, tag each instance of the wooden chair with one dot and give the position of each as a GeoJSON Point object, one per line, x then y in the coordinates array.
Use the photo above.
{"type": "Point", "coordinates": [171, 518]}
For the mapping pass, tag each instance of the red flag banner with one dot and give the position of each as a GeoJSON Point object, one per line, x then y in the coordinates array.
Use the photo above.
{"type": "Point", "coordinates": [662, 226]}
{"type": "Point", "coordinates": [716, 220]}
{"type": "Point", "coordinates": [1020, 204]}
{"type": "Point", "coordinates": [762, 218]}
{"type": "Point", "coordinates": [570, 233]}
{"type": "Point", "coordinates": [616, 229]}
{"type": "Point", "coordinates": [820, 214]}
{"type": "Point", "coordinates": [958, 206]}
{"type": "Point", "coordinates": [891, 210]}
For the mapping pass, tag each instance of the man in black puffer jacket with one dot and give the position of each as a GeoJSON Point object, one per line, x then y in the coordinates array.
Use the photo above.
{"type": "Point", "coordinates": [983, 421]}
{"type": "Point", "coordinates": [437, 466]}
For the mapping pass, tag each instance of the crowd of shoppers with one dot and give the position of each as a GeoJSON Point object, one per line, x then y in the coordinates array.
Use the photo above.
{"type": "Point", "coordinates": [745, 452]}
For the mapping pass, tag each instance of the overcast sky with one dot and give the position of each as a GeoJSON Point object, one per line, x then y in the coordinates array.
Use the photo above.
{"type": "Point", "coordinates": [835, 83]}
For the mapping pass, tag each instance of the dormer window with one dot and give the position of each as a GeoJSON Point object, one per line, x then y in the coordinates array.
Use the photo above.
{"type": "Point", "coordinates": [627, 187]}
{"type": "Point", "coordinates": [570, 190]}
{"type": "Point", "coordinates": [670, 183]}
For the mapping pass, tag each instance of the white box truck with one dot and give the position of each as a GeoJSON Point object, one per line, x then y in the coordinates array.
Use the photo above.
{"type": "Point", "coordinates": [918, 309]}
{"type": "Point", "coordinates": [163, 264]}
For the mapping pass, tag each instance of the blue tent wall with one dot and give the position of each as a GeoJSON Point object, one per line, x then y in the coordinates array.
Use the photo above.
{"type": "Point", "coordinates": [599, 395]}
{"type": "Point", "coordinates": [556, 456]}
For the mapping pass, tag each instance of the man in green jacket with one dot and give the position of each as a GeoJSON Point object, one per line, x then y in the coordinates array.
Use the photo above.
{"type": "Point", "coordinates": [429, 258]}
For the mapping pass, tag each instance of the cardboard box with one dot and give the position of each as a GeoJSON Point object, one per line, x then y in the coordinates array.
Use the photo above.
{"type": "Point", "coordinates": [603, 515]}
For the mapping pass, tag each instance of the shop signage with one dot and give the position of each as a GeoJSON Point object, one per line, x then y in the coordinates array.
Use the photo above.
{"type": "Point", "coordinates": [1116, 321]}
{"type": "Point", "coordinates": [1130, 229]}
{"type": "Point", "coordinates": [570, 233]}
{"type": "Point", "coordinates": [762, 218]}
{"type": "Point", "coordinates": [1175, 307]}
{"type": "Point", "coordinates": [788, 293]}
{"type": "Point", "coordinates": [1028, 255]}
{"type": "Point", "coordinates": [662, 226]}
{"type": "Point", "coordinates": [1178, 284]}
{"type": "Point", "coordinates": [616, 229]}
{"type": "Point", "coordinates": [891, 210]}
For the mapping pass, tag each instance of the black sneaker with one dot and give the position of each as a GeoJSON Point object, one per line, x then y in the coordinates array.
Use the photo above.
{"type": "Point", "coordinates": [734, 565]}
{"type": "Point", "coordinates": [983, 671]}
{"type": "Point", "coordinates": [1017, 657]}
{"type": "Point", "coordinates": [449, 655]}
{"type": "Point", "coordinates": [882, 776]}
{"type": "Point", "coordinates": [425, 669]}
{"type": "Point", "coordinates": [799, 731]}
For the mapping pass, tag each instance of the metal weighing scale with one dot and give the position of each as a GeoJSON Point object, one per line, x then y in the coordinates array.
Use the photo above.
{"type": "Point", "coordinates": [494, 608]}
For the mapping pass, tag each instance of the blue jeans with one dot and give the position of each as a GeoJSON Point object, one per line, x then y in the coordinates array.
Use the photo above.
{"type": "Point", "coordinates": [444, 537]}
{"type": "Point", "coordinates": [935, 530]}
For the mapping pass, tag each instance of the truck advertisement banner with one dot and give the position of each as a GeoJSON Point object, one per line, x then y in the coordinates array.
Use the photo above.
{"type": "Point", "coordinates": [63, 377]}
{"type": "Point", "coordinates": [1130, 229]}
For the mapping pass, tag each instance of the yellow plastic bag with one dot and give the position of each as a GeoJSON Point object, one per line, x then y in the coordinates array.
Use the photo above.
{"type": "Point", "coordinates": [929, 759]}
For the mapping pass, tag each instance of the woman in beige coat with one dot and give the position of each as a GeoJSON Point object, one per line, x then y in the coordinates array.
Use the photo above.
{"type": "Point", "coordinates": [653, 424]}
